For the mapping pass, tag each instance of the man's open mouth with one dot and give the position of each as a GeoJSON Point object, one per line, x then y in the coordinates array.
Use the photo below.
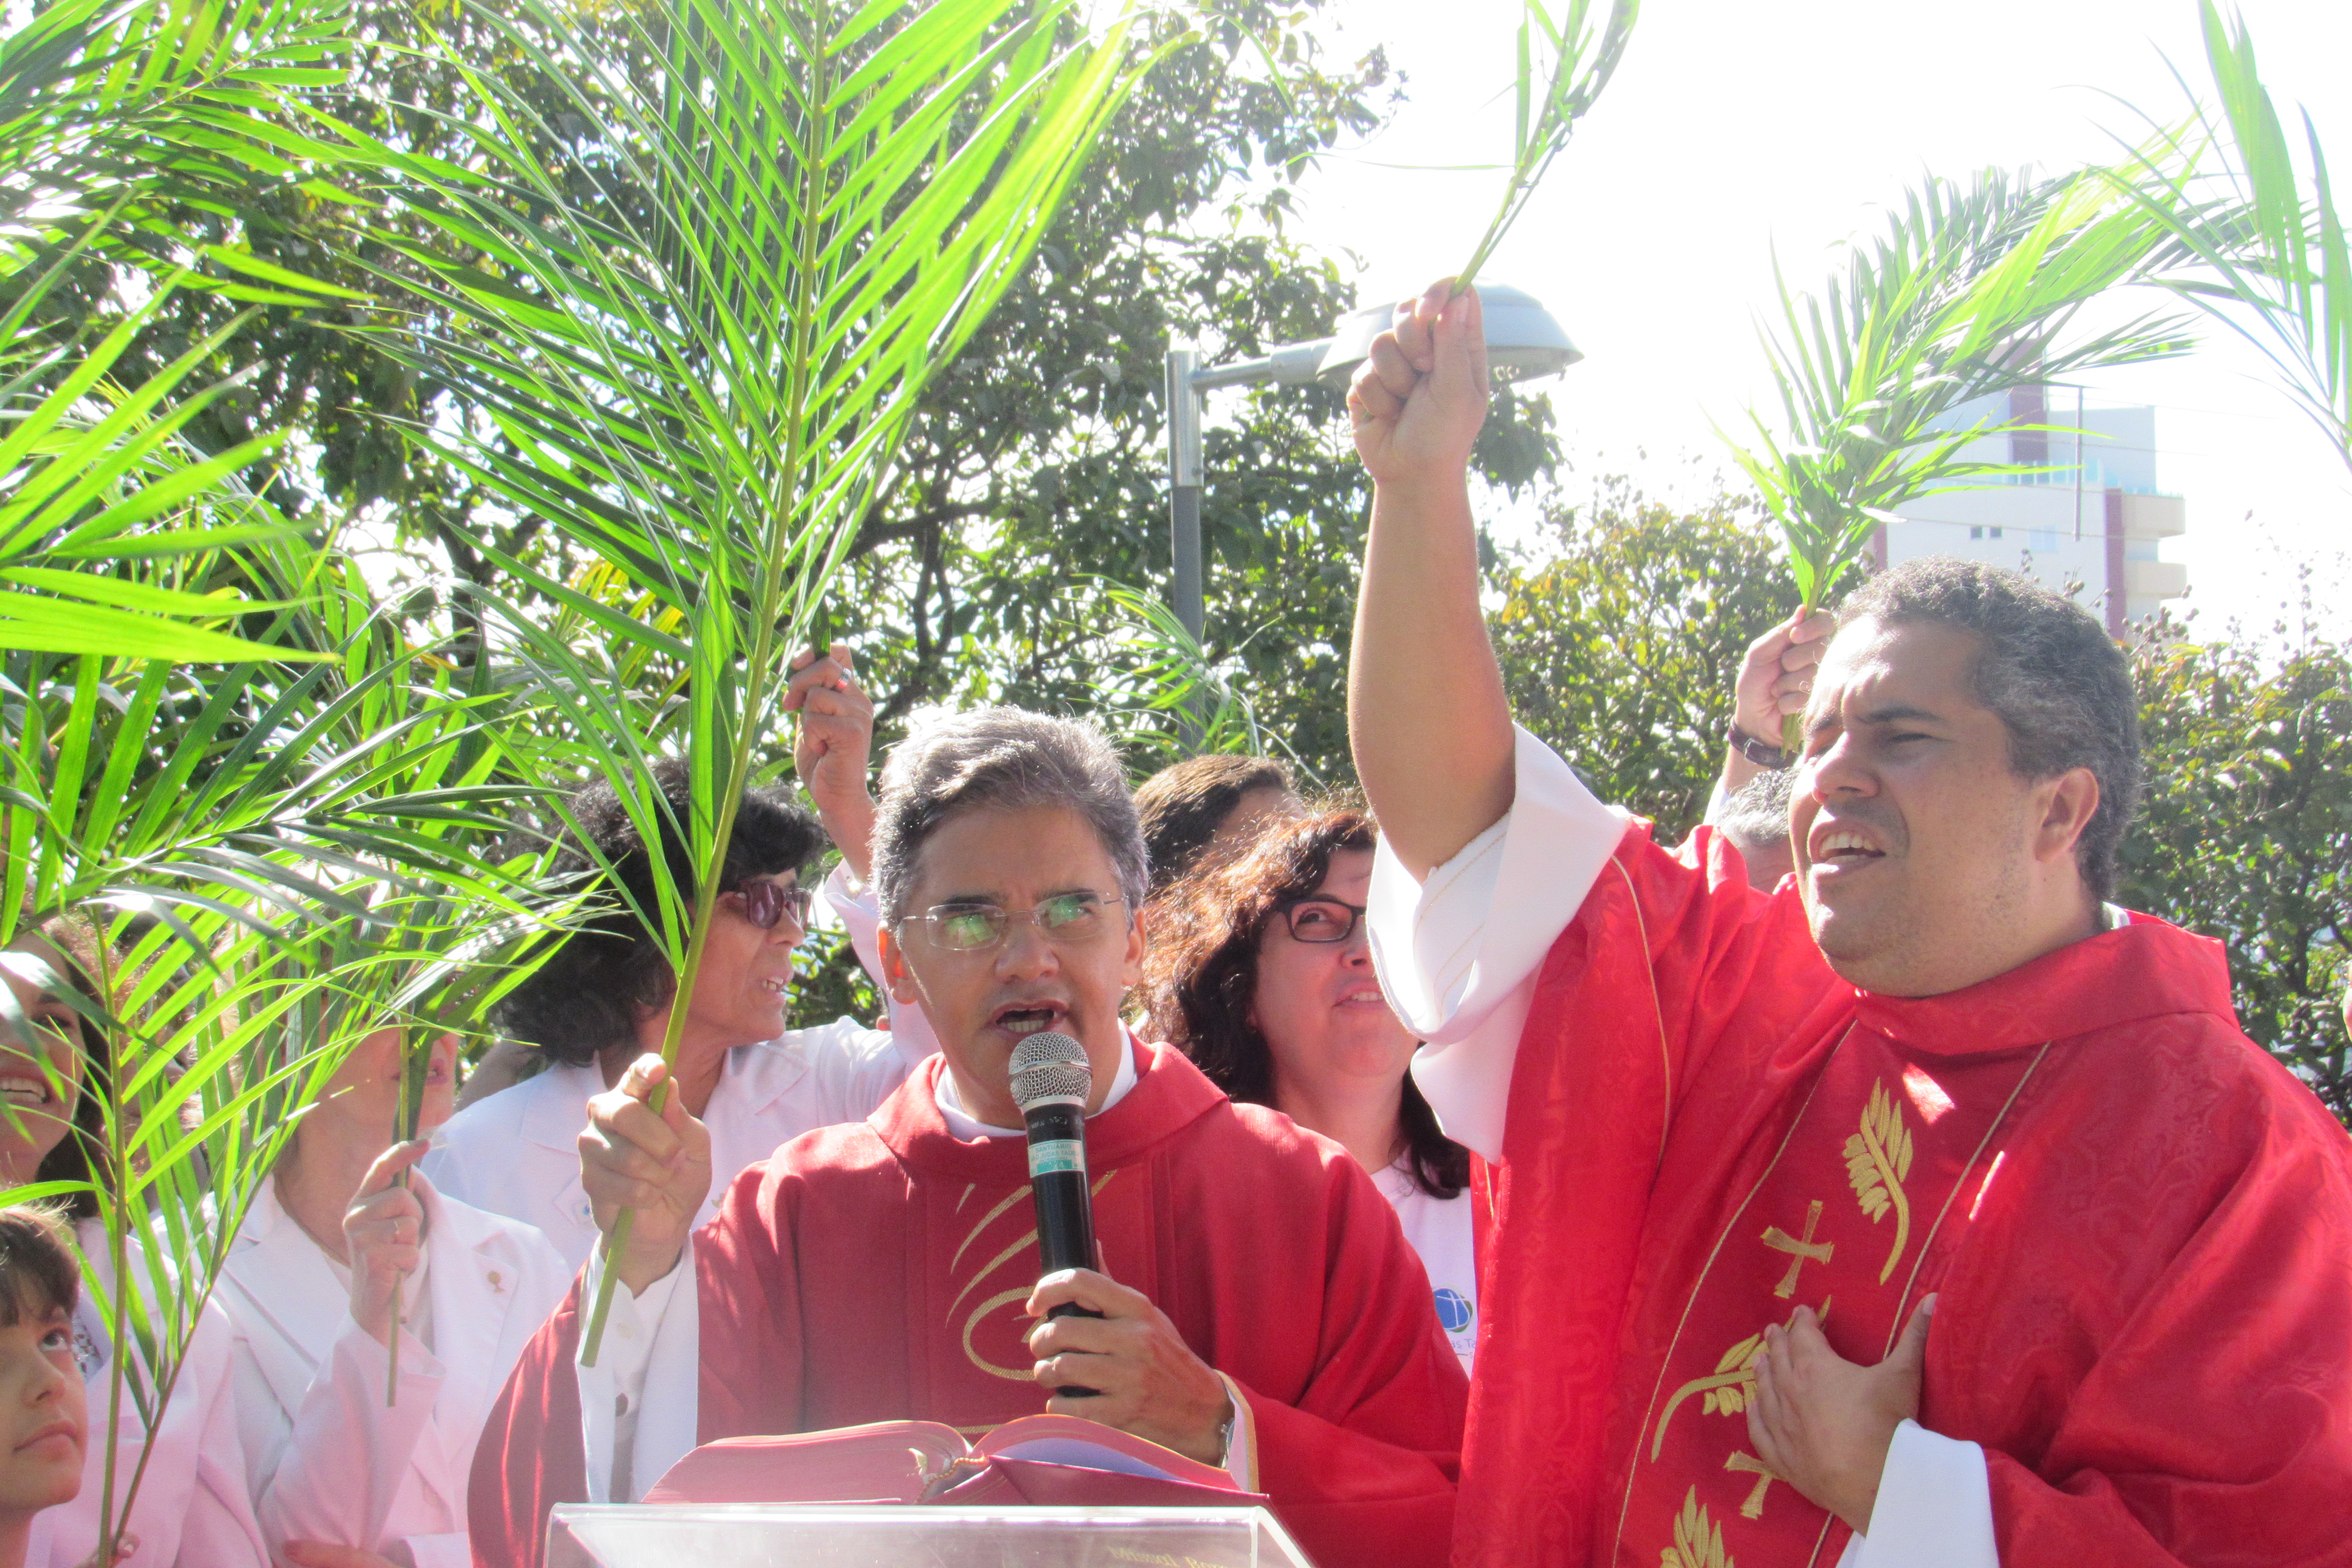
{"type": "Point", "coordinates": [1840, 847]}
{"type": "Point", "coordinates": [1022, 1018]}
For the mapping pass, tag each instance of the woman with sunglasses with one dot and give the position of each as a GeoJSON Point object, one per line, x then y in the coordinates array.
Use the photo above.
{"type": "Point", "coordinates": [606, 996]}
{"type": "Point", "coordinates": [1261, 971]}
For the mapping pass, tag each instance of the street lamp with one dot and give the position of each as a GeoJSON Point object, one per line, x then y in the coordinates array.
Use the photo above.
{"type": "Point", "coordinates": [1522, 341]}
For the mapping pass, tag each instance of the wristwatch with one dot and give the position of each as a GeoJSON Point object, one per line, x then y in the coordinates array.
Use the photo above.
{"type": "Point", "coordinates": [1757, 751]}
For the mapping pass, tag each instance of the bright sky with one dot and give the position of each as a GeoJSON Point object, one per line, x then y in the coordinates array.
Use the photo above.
{"type": "Point", "coordinates": [1735, 127]}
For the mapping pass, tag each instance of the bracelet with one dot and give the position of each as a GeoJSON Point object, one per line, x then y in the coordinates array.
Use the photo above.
{"type": "Point", "coordinates": [1761, 753]}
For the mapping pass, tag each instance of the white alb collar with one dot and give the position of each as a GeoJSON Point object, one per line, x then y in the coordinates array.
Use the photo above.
{"type": "Point", "coordinates": [963, 1126]}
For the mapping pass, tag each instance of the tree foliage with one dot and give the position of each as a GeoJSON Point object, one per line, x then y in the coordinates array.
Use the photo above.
{"type": "Point", "coordinates": [1619, 632]}
{"type": "Point", "coordinates": [2246, 835]}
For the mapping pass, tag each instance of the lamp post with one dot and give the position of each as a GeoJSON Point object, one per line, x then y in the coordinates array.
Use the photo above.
{"type": "Point", "coordinates": [1522, 341]}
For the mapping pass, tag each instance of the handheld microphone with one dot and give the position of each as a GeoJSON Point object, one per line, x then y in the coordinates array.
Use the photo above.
{"type": "Point", "coordinates": [1051, 1083]}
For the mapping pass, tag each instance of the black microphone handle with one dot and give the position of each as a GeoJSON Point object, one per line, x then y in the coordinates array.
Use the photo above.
{"type": "Point", "coordinates": [1065, 1225]}
{"type": "Point", "coordinates": [1066, 1222]}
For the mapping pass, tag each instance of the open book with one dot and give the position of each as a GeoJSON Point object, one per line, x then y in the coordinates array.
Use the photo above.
{"type": "Point", "coordinates": [1036, 1460]}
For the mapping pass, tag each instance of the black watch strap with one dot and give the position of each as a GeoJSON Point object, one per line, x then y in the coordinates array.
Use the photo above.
{"type": "Point", "coordinates": [1757, 751]}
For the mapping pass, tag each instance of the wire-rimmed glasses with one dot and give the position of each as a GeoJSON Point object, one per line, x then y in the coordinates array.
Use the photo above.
{"type": "Point", "coordinates": [1064, 918]}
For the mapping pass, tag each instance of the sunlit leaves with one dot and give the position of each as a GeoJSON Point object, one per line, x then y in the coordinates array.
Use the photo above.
{"type": "Point", "coordinates": [1971, 290]}
{"type": "Point", "coordinates": [2245, 835]}
{"type": "Point", "coordinates": [1561, 67]}
{"type": "Point", "coordinates": [2267, 247]}
{"type": "Point", "coordinates": [1169, 700]}
{"type": "Point", "coordinates": [696, 356]}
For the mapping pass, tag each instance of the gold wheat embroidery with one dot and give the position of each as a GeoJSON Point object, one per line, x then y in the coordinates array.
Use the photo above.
{"type": "Point", "coordinates": [1727, 1389]}
{"type": "Point", "coordinates": [1877, 1160]}
{"type": "Point", "coordinates": [1698, 1542]}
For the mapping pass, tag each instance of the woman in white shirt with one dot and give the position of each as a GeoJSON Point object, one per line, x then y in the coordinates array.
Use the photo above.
{"type": "Point", "coordinates": [1260, 972]}
{"type": "Point", "coordinates": [191, 1509]}
{"type": "Point", "coordinates": [339, 1475]}
{"type": "Point", "coordinates": [605, 997]}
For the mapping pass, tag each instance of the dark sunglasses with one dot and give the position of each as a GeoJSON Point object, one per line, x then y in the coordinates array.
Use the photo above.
{"type": "Point", "coordinates": [765, 903]}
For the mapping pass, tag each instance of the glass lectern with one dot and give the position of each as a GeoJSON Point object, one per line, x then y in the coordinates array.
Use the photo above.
{"type": "Point", "coordinates": [853, 1535]}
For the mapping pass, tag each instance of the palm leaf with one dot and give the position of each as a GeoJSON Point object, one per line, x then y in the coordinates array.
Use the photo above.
{"type": "Point", "coordinates": [1581, 67]}
{"type": "Point", "coordinates": [1971, 290]}
{"type": "Point", "coordinates": [268, 868]}
{"type": "Point", "coordinates": [2265, 251]}
{"type": "Point", "coordinates": [693, 342]}
{"type": "Point", "coordinates": [1167, 699]}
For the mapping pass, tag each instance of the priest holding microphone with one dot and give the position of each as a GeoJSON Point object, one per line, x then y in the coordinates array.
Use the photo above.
{"type": "Point", "coordinates": [1256, 1307]}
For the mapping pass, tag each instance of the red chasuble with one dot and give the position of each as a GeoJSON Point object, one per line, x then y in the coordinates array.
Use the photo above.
{"type": "Point", "coordinates": [876, 1271]}
{"type": "Point", "coordinates": [2139, 1225]}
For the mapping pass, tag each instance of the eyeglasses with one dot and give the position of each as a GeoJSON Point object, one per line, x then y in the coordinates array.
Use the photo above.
{"type": "Point", "coordinates": [765, 903]}
{"type": "Point", "coordinates": [1066, 919]}
{"type": "Point", "coordinates": [1321, 919]}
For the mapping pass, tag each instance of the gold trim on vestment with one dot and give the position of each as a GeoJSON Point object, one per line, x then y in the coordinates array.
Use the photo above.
{"type": "Point", "coordinates": [1690, 1302]}
{"type": "Point", "coordinates": [1901, 1318]}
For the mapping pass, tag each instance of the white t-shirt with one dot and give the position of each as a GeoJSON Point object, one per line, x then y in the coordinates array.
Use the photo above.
{"type": "Point", "coordinates": [192, 1510]}
{"type": "Point", "coordinates": [1443, 1232]}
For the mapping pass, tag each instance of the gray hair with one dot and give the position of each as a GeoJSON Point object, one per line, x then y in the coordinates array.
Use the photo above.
{"type": "Point", "coordinates": [2061, 688]}
{"type": "Point", "coordinates": [1008, 759]}
{"type": "Point", "coordinates": [1756, 815]}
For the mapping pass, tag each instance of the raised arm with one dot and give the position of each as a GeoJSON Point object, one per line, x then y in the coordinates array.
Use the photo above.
{"type": "Point", "coordinates": [1426, 714]}
{"type": "Point", "coordinates": [830, 752]}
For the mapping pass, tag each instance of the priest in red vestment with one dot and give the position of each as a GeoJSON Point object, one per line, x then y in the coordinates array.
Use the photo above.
{"type": "Point", "coordinates": [1927, 1209]}
{"type": "Point", "coordinates": [1262, 1310]}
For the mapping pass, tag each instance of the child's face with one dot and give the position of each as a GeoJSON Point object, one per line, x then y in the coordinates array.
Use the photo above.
{"type": "Point", "coordinates": [44, 1418]}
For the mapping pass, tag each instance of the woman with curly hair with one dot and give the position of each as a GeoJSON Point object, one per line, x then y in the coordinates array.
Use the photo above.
{"type": "Point", "coordinates": [1261, 971]}
{"type": "Point", "coordinates": [604, 997]}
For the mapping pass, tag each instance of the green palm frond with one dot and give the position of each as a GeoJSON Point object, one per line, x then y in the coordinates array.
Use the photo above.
{"type": "Point", "coordinates": [111, 110]}
{"type": "Point", "coordinates": [115, 527]}
{"type": "Point", "coordinates": [1972, 291]}
{"type": "Point", "coordinates": [2266, 249]}
{"type": "Point", "coordinates": [1547, 108]}
{"type": "Point", "coordinates": [267, 867]}
{"type": "Point", "coordinates": [717, 274]}
{"type": "Point", "coordinates": [110, 512]}
{"type": "Point", "coordinates": [1168, 699]}
{"type": "Point", "coordinates": [269, 861]}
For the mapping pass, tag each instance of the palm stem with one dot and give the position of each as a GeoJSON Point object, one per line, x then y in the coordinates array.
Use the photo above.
{"type": "Point", "coordinates": [758, 676]}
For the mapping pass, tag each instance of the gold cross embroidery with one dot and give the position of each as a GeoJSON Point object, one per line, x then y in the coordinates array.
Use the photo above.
{"type": "Point", "coordinates": [1804, 1248]}
{"type": "Point", "coordinates": [1748, 1464]}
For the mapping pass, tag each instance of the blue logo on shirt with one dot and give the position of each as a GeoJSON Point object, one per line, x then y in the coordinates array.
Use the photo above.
{"type": "Point", "coordinates": [1453, 1310]}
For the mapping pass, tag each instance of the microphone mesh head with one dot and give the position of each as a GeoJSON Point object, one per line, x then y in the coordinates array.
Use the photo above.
{"type": "Point", "coordinates": [1050, 1068]}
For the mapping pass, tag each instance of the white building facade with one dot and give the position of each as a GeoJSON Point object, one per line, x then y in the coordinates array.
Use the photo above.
{"type": "Point", "coordinates": [2088, 522]}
